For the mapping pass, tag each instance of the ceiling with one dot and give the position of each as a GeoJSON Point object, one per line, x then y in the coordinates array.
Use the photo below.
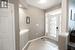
{"type": "Point", "coordinates": [42, 4]}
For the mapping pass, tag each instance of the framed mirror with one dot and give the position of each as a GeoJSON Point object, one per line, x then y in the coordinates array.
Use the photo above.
{"type": "Point", "coordinates": [27, 20]}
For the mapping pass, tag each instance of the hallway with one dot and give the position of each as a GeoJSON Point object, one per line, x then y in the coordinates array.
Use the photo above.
{"type": "Point", "coordinates": [42, 44]}
{"type": "Point", "coordinates": [36, 24]}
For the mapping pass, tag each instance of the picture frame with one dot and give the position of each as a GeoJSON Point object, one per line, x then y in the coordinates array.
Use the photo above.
{"type": "Point", "coordinates": [27, 20]}
{"type": "Point", "coordinates": [72, 15]}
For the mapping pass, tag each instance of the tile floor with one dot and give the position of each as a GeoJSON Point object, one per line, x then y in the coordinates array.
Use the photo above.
{"type": "Point", "coordinates": [42, 45]}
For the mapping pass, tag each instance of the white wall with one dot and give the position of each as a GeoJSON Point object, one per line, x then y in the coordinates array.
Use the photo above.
{"type": "Point", "coordinates": [55, 11]}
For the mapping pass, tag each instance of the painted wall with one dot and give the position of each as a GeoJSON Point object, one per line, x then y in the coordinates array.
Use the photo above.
{"type": "Point", "coordinates": [24, 31]}
{"type": "Point", "coordinates": [53, 8]}
{"type": "Point", "coordinates": [22, 19]}
{"type": "Point", "coordinates": [36, 25]}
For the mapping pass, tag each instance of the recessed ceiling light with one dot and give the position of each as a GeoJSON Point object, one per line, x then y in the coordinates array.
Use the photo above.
{"type": "Point", "coordinates": [42, 1]}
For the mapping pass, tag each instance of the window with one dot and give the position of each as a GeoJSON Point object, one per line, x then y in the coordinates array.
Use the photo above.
{"type": "Point", "coordinates": [3, 3]}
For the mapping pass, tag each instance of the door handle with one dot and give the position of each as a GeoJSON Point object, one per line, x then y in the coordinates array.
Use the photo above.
{"type": "Point", "coordinates": [57, 28]}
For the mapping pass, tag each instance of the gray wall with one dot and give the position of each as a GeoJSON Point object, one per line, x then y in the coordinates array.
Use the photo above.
{"type": "Point", "coordinates": [23, 28]}
{"type": "Point", "coordinates": [36, 25]}
{"type": "Point", "coordinates": [22, 19]}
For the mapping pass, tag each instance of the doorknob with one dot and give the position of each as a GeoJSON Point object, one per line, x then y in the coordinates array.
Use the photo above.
{"type": "Point", "coordinates": [57, 28]}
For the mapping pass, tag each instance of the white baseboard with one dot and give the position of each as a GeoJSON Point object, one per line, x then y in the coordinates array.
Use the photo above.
{"type": "Point", "coordinates": [37, 39]}
{"type": "Point", "coordinates": [25, 45]}
{"type": "Point", "coordinates": [28, 43]}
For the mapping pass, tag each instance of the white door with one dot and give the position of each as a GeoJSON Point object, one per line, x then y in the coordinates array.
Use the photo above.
{"type": "Point", "coordinates": [7, 33]}
{"type": "Point", "coordinates": [53, 26]}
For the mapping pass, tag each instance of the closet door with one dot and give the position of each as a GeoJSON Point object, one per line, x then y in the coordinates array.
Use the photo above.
{"type": "Point", "coordinates": [7, 33]}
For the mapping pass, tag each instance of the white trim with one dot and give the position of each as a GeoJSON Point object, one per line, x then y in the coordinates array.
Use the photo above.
{"type": "Point", "coordinates": [26, 45]}
{"type": "Point", "coordinates": [32, 41]}
{"type": "Point", "coordinates": [37, 39]}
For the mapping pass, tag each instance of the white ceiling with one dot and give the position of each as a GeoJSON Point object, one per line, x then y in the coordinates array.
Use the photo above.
{"type": "Point", "coordinates": [48, 4]}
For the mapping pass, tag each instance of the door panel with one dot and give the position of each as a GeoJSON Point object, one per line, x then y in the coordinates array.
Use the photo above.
{"type": "Point", "coordinates": [53, 26]}
{"type": "Point", "coordinates": [7, 33]}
